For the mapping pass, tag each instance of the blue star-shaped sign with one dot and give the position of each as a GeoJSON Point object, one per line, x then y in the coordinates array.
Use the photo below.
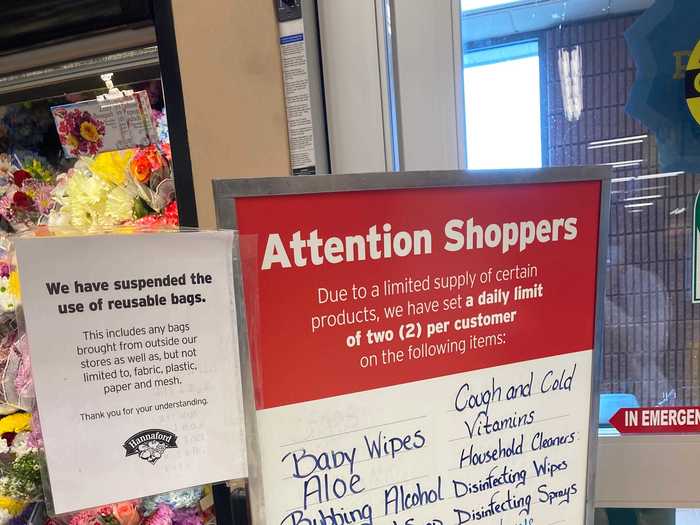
{"type": "Point", "coordinates": [660, 41]}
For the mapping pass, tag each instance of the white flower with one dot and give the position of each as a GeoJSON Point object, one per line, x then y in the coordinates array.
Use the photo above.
{"type": "Point", "coordinates": [19, 445]}
{"type": "Point", "coordinates": [4, 516]}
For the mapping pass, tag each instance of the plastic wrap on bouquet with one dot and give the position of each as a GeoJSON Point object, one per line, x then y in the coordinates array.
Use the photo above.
{"type": "Point", "coordinates": [17, 385]}
{"type": "Point", "coordinates": [8, 365]}
{"type": "Point", "coordinates": [112, 189]}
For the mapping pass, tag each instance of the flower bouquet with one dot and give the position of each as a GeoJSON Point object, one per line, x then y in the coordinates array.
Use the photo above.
{"type": "Point", "coordinates": [25, 188]}
{"type": "Point", "coordinates": [181, 507]}
{"type": "Point", "coordinates": [111, 189]}
{"type": "Point", "coordinates": [20, 470]}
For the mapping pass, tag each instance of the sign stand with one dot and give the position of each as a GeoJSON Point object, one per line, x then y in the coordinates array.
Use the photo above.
{"type": "Point", "coordinates": [421, 348]}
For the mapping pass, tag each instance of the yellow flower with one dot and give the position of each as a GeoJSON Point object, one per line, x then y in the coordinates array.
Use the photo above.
{"type": "Point", "coordinates": [112, 166]}
{"type": "Point", "coordinates": [11, 505]}
{"type": "Point", "coordinates": [72, 140]}
{"type": "Point", "coordinates": [13, 285]}
{"type": "Point", "coordinates": [89, 132]}
{"type": "Point", "coordinates": [38, 170]}
{"type": "Point", "coordinates": [19, 422]}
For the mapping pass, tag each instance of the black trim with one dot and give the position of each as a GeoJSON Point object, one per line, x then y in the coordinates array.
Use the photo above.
{"type": "Point", "coordinates": [175, 106]}
{"type": "Point", "coordinates": [322, 88]}
{"type": "Point", "coordinates": [222, 504]}
{"type": "Point", "coordinates": [38, 23]}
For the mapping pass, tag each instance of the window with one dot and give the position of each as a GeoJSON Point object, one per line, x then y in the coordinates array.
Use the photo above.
{"type": "Point", "coordinates": [502, 106]}
{"type": "Point", "coordinates": [473, 5]}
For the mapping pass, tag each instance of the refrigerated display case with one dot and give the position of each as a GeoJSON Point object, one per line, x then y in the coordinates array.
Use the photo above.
{"type": "Point", "coordinates": [44, 188]}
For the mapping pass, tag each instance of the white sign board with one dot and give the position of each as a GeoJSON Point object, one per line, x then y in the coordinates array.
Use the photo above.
{"type": "Point", "coordinates": [135, 360]}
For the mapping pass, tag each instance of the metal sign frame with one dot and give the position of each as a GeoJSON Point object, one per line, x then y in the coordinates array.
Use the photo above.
{"type": "Point", "coordinates": [227, 191]}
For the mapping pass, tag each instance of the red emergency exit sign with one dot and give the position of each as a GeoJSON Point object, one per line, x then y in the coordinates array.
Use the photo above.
{"type": "Point", "coordinates": [657, 420]}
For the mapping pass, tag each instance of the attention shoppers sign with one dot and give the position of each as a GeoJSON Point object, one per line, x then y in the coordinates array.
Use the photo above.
{"type": "Point", "coordinates": [420, 356]}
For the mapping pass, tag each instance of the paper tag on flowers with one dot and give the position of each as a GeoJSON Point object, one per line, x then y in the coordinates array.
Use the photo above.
{"type": "Point", "coordinates": [93, 126]}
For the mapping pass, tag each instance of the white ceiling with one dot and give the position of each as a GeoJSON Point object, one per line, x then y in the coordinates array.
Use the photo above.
{"type": "Point", "coordinates": [523, 16]}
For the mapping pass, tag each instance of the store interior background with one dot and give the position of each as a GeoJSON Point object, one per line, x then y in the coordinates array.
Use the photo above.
{"type": "Point", "coordinates": [372, 110]}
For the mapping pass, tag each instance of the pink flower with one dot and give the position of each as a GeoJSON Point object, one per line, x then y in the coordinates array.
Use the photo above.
{"type": "Point", "coordinates": [85, 517]}
{"type": "Point", "coordinates": [35, 439]}
{"type": "Point", "coordinates": [188, 516]}
{"type": "Point", "coordinates": [41, 194]}
{"type": "Point", "coordinates": [162, 516]}
{"type": "Point", "coordinates": [6, 206]}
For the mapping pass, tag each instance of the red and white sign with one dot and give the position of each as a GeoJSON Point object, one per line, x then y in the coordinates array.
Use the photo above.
{"type": "Point", "coordinates": [657, 420]}
{"type": "Point", "coordinates": [422, 356]}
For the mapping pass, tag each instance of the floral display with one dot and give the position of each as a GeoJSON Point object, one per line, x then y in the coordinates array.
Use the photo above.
{"type": "Point", "coordinates": [80, 131]}
{"type": "Point", "coordinates": [165, 512]}
{"type": "Point", "coordinates": [15, 423]}
{"type": "Point", "coordinates": [37, 166]}
{"type": "Point", "coordinates": [169, 218]}
{"type": "Point", "coordinates": [25, 516]}
{"type": "Point", "coordinates": [163, 515]}
{"type": "Point", "coordinates": [132, 188]}
{"type": "Point", "coordinates": [179, 499]}
{"type": "Point", "coordinates": [9, 287]}
{"type": "Point", "coordinates": [26, 186]}
{"type": "Point", "coordinates": [25, 125]}
{"type": "Point", "coordinates": [20, 472]}
{"type": "Point", "coordinates": [87, 201]}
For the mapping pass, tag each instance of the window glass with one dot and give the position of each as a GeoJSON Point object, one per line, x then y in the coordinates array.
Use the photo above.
{"type": "Point", "coordinates": [502, 103]}
{"type": "Point", "coordinates": [631, 516]}
{"type": "Point", "coordinates": [614, 84]}
{"type": "Point", "coordinates": [471, 5]}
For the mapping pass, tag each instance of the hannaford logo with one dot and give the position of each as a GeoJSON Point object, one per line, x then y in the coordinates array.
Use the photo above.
{"type": "Point", "coordinates": [150, 444]}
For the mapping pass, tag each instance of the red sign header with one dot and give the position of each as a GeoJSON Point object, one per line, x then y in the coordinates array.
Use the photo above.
{"type": "Point", "coordinates": [351, 291]}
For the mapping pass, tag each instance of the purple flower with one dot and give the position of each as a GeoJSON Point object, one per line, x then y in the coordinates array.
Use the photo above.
{"type": "Point", "coordinates": [187, 517]}
{"type": "Point", "coordinates": [23, 518]}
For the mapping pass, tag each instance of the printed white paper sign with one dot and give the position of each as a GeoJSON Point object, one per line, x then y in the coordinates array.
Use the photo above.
{"type": "Point", "coordinates": [135, 359]}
